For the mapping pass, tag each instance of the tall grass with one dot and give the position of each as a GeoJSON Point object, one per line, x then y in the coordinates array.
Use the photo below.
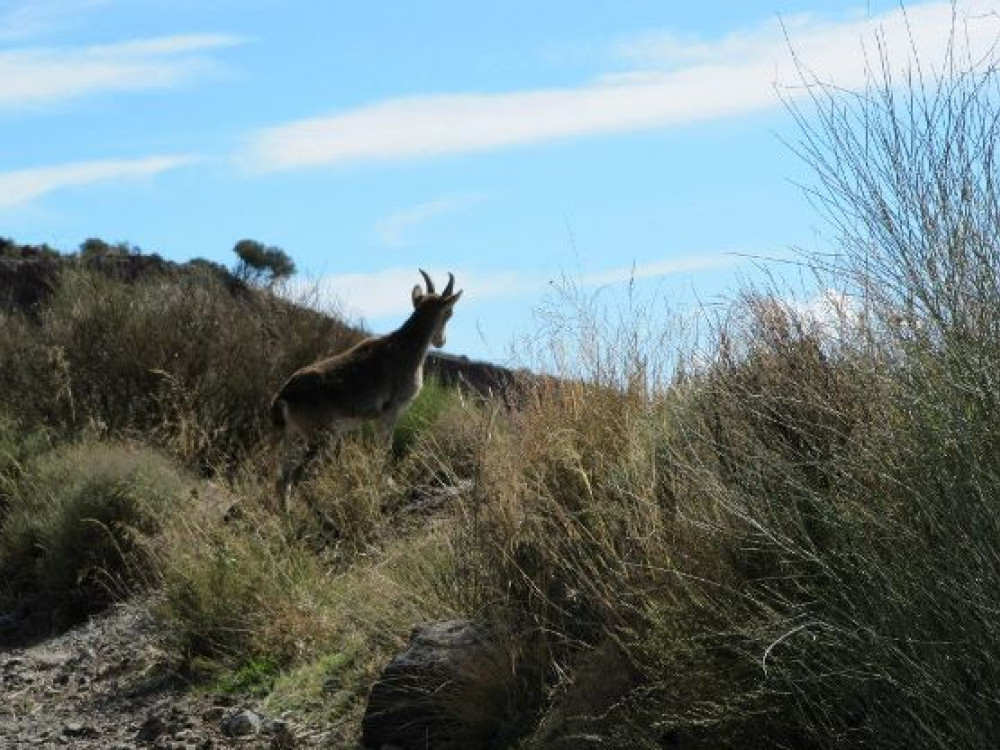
{"type": "Point", "coordinates": [795, 543]}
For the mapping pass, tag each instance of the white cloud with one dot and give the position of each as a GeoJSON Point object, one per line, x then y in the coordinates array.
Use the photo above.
{"type": "Point", "coordinates": [26, 18]}
{"type": "Point", "coordinates": [684, 81]}
{"type": "Point", "coordinates": [387, 293]}
{"type": "Point", "coordinates": [832, 311]}
{"type": "Point", "coordinates": [667, 48]}
{"type": "Point", "coordinates": [38, 75]}
{"type": "Point", "coordinates": [421, 127]}
{"type": "Point", "coordinates": [20, 187]}
{"type": "Point", "coordinates": [393, 228]}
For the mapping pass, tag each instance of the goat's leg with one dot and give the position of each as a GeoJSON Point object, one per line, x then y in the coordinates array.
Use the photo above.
{"type": "Point", "coordinates": [386, 429]}
{"type": "Point", "coordinates": [282, 487]}
{"type": "Point", "coordinates": [311, 451]}
{"type": "Point", "coordinates": [290, 475]}
{"type": "Point", "coordinates": [278, 449]}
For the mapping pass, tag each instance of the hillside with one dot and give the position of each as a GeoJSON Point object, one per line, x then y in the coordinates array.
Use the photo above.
{"type": "Point", "coordinates": [773, 522]}
{"type": "Point", "coordinates": [29, 275]}
{"type": "Point", "coordinates": [140, 329]}
{"type": "Point", "coordinates": [784, 537]}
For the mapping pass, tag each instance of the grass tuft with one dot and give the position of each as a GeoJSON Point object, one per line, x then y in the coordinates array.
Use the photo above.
{"type": "Point", "coordinates": [77, 531]}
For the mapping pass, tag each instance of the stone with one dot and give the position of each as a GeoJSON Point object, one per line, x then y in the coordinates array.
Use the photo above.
{"type": "Point", "coordinates": [151, 729]}
{"type": "Point", "coordinates": [242, 724]}
{"type": "Point", "coordinates": [80, 731]}
{"type": "Point", "coordinates": [446, 664]}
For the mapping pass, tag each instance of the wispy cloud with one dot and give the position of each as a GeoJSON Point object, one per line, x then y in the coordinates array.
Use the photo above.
{"type": "Point", "coordinates": [387, 293]}
{"type": "Point", "coordinates": [40, 75]}
{"type": "Point", "coordinates": [681, 81]}
{"type": "Point", "coordinates": [392, 230]}
{"type": "Point", "coordinates": [670, 49]}
{"type": "Point", "coordinates": [20, 187]}
{"type": "Point", "coordinates": [21, 19]}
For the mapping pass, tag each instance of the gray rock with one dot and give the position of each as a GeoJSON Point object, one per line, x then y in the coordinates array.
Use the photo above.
{"type": "Point", "coordinates": [151, 729]}
{"type": "Point", "coordinates": [447, 665]}
{"type": "Point", "coordinates": [78, 730]}
{"type": "Point", "coordinates": [242, 724]}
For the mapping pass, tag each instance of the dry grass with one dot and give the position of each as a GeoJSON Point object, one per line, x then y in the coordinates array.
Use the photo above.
{"type": "Point", "coordinates": [789, 541]}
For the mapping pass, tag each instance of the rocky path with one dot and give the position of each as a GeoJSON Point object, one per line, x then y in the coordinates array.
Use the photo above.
{"type": "Point", "coordinates": [104, 684]}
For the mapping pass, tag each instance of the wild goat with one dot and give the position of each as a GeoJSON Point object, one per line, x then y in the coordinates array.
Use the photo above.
{"type": "Point", "coordinates": [374, 380]}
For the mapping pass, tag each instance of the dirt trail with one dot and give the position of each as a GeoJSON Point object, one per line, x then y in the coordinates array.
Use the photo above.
{"type": "Point", "coordinates": [104, 684]}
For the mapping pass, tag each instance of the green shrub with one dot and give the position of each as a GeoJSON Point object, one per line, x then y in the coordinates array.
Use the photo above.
{"type": "Point", "coordinates": [438, 439]}
{"type": "Point", "coordinates": [77, 532]}
{"type": "Point", "coordinates": [430, 404]}
{"type": "Point", "coordinates": [255, 677]}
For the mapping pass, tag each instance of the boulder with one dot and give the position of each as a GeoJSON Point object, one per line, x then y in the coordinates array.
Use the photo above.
{"type": "Point", "coordinates": [244, 723]}
{"type": "Point", "coordinates": [453, 687]}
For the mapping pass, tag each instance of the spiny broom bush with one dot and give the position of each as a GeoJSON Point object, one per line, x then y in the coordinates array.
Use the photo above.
{"type": "Point", "coordinates": [778, 549]}
{"type": "Point", "coordinates": [820, 573]}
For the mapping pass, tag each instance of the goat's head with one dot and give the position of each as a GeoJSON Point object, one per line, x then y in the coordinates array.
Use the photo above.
{"type": "Point", "coordinates": [437, 306]}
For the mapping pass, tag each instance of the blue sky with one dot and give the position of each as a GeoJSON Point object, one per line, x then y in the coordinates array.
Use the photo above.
{"type": "Point", "coordinates": [509, 142]}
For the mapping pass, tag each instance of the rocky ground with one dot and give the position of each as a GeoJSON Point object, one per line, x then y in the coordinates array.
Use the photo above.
{"type": "Point", "coordinates": [106, 684]}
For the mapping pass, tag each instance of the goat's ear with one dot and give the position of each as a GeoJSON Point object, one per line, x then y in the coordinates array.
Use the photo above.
{"type": "Point", "coordinates": [417, 295]}
{"type": "Point", "coordinates": [451, 300]}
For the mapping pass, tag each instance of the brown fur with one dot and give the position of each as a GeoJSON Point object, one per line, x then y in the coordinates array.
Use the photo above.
{"type": "Point", "coordinates": [374, 380]}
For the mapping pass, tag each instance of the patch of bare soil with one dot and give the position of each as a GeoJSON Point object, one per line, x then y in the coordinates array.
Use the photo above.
{"type": "Point", "coordinates": [107, 684]}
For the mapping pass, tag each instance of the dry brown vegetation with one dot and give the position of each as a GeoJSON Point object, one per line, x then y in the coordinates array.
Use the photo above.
{"type": "Point", "coordinates": [783, 536]}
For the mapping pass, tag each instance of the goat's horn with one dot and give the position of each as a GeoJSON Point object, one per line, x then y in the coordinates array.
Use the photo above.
{"type": "Point", "coordinates": [430, 284]}
{"type": "Point", "coordinates": [451, 285]}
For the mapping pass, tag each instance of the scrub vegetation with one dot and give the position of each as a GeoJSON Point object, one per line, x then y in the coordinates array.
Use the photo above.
{"type": "Point", "coordinates": [783, 532]}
